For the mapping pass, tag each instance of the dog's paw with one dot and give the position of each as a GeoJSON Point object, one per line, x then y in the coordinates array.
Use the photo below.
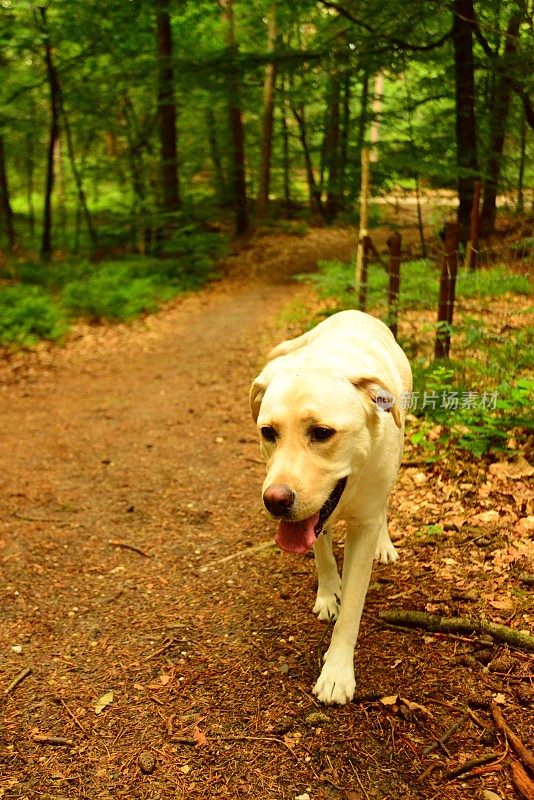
{"type": "Point", "coordinates": [336, 683]}
{"type": "Point", "coordinates": [327, 605]}
{"type": "Point", "coordinates": [386, 553]}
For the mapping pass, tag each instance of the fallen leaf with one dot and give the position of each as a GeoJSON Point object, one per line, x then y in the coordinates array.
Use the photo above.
{"type": "Point", "coordinates": [411, 706]}
{"type": "Point", "coordinates": [164, 678]}
{"type": "Point", "coordinates": [502, 605]}
{"type": "Point", "coordinates": [199, 737]}
{"type": "Point", "coordinates": [390, 700]}
{"type": "Point", "coordinates": [512, 469]}
{"type": "Point", "coordinates": [499, 698]}
{"type": "Point", "coordinates": [103, 702]}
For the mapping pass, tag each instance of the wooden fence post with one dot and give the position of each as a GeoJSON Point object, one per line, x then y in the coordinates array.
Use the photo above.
{"type": "Point", "coordinates": [394, 247]}
{"type": "Point", "coordinates": [362, 285]}
{"type": "Point", "coordinates": [447, 287]}
{"type": "Point", "coordinates": [472, 244]}
{"type": "Point", "coordinates": [364, 211]}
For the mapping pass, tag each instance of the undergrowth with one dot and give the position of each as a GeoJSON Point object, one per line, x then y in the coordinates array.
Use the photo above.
{"type": "Point", "coordinates": [40, 299]}
{"type": "Point", "coordinates": [479, 401]}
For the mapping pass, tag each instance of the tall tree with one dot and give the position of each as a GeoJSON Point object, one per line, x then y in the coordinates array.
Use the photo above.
{"type": "Point", "coordinates": [466, 140]}
{"type": "Point", "coordinates": [266, 141]}
{"type": "Point", "coordinates": [500, 107]}
{"type": "Point", "coordinates": [236, 123]}
{"type": "Point", "coordinates": [53, 136]}
{"type": "Point", "coordinates": [6, 211]}
{"type": "Point", "coordinates": [167, 110]}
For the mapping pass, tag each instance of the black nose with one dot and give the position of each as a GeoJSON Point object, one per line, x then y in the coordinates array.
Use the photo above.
{"type": "Point", "coordinates": [278, 499]}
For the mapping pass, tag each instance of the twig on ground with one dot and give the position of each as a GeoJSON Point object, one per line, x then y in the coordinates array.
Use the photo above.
{"type": "Point", "coordinates": [521, 751]}
{"type": "Point", "coordinates": [20, 677]}
{"type": "Point", "coordinates": [467, 766]}
{"type": "Point", "coordinates": [247, 551]}
{"type": "Point", "coordinates": [446, 736]}
{"type": "Point", "coordinates": [437, 624]}
{"type": "Point", "coordinates": [29, 518]}
{"type": "Point", "coordinates": [127, 546]}
{"type": "Point", "coordinates": [59, 741]}
{"type": "Point", "coordinates": [522, 782]}
{"type": "Point", "coordinates": [72, 715]}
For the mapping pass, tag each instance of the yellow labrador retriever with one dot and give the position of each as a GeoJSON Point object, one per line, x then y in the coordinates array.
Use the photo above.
{"type": "Point", "coordinates": [331, 423]}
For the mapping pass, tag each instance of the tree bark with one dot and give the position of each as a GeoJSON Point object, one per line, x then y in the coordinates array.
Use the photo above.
{"type": "Point", "coordinates": [345, 135]}
{"type": "Point", "coordinates": [266, 143]}
{"type": "Point", "coordinates": [77, 176]}
{"type": "Point", "coordinates": [332, 151]}
{"type": "Point", "coordinates": [316, 202]}
{"type": "Point", "coordinates": [285, 148]}
{"type": "Point", "coordinates": [167, 111]}
{"type": "Point", "coordinates": [215, 153]}
{"type": "Point", "coordinates": [5, 203]}
{"type": "Point", "coordinates": [236, 125]}
{"type": "Point", "coordinates": [466, 143]}
{"type": "Point", "coordinates": [498, 119]}
{"type": "Point", "coordinates": [46, 242]}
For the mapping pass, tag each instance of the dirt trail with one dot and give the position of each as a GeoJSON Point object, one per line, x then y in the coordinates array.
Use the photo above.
{"type": "Point", "coordinates": [140, 437]}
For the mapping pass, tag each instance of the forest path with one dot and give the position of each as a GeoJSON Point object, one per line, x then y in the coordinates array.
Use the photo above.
{"type": "Point", "coordinates": [140, 437]}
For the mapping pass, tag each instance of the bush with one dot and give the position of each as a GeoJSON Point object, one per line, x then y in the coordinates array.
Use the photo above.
{"type": "Point", "coordinates": [111, 293]}
{"type": "Point", "coordinates": [28, 314]}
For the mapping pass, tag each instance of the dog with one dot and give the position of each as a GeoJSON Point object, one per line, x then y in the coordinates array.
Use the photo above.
{"type": "Point", "coordinates": [328, 407]}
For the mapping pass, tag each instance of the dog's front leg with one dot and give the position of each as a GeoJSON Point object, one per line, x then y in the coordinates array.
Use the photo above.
{"type": "Point", "coordinates": [336, 682]}
{"type": "Point", "coordinates": [329, 589]}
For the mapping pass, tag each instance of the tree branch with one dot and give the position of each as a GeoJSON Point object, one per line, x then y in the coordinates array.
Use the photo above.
{"type": "Point", "coordinates": [455, 625]}
{"type": "Point", "coordinates": [399, 43]}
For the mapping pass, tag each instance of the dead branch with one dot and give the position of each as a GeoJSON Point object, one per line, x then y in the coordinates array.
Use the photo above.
{"type": "Point", "coordinates": [522, 782]}
{"type": "Point", "coordinates": [454, 625]}
{"type": "Point", "coordinates": [446, 736]}
{"type": "Point", "coordinates": [521, 751]}
{"type": "Point", "coordinates": [72, 715]}
{"type": "Point", "coordinates": [59, 741]}
{"type": "Point", "coordinates": [467, 766]}
{"type": "Point", "coordinates": [257, 548]}
{"type": "Point", "coordinates": [20, 677]}
{"type": "Point", "coordinates": [126, 546]}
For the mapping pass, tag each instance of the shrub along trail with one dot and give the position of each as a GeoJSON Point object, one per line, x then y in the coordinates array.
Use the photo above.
{"type": "Point", "coordinates": [160, 651]}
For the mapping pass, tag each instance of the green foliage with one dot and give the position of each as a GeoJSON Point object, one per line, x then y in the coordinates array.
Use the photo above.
{"type": "Point", "coordinates": [493, 282]}
{"type": "Point", "coordinates": [335, 280]}
{"type": "Point", "coordinates": [112, 292]}
{"type": "Point", "coordinates": [478, 398]}
{"type": "Point", "coordinates": [27, 314]}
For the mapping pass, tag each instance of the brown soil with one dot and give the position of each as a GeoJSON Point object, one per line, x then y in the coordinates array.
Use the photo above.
{"type": "Point", "coordinates": [130, 563]}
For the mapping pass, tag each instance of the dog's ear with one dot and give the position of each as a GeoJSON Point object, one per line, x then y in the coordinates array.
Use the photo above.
{"type": "Point", "coordinates": [255, 396]}
{"type": "Point", "coordinates": [380, 395]}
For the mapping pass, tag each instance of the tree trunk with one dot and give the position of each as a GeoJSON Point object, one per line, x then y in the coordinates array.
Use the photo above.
{"type": "Point", "coordinates": [285, 147]}
{"type": "Point", "coordinates": [520, 207]}
{"type": "Point", "coordinates": [46, 242]}
{"type": "Point", "coordinates": [215, 153]}
{"type": "Point", "coordinates": [269, 86]}
{"type": "Point", "coordinates": [499, 115]}
{"type": "Point", "coordinates": [345, 134]}
{"type": "Point", "coordinates": [466, 145]}
{"type": "Point", "coordinates": [82, 200]}
{"type": "Point", "coordinates": [30, 170]}
{"type": "Point", "coordinates": [6, 211]}
{"type": "Point", "coordinates": [332, 151]}
{"type": "Point", "coordinates": [314, 190]}
{"type": "Point", "coordinates": [236, 125]}
{"type": "Point", "coordinates": [167, 111]}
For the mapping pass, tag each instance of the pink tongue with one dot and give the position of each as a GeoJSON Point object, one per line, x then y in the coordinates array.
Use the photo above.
{"type": "Point", "coordinates": [297, 537]}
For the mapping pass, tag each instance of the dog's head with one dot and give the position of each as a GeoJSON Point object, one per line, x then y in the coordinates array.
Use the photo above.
{"type": "Point", "coordinates": [316, 432]}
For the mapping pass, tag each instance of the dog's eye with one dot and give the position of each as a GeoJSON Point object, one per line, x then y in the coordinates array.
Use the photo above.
{"type": "Point", "coordinates": [268, 433]}
{"type": "Point", "coordinates": [320, 434]}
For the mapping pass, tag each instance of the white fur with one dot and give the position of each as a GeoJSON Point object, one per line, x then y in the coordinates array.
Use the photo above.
{"type": "Point", "coordinates": [331, 377]}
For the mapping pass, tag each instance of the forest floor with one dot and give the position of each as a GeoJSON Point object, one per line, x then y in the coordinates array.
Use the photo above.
{"type": "Point", "coordinates": [167, 642]}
